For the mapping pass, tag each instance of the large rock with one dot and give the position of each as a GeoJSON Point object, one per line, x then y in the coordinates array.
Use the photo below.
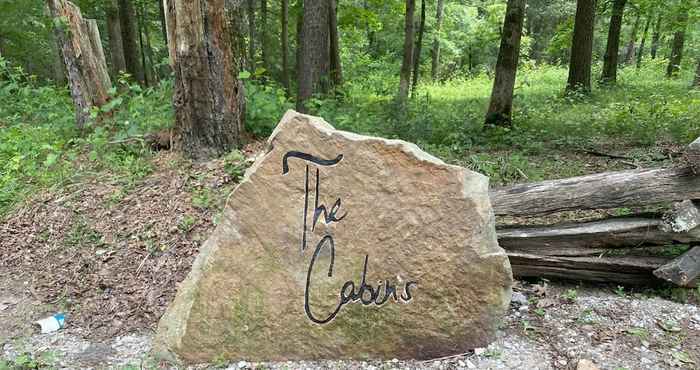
{"type": "Point", "coordinates": [399, 259]}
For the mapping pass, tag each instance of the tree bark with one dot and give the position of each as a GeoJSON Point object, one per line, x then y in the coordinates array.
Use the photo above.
{"type": "Point", "coordinates": [336, 64]}
{"type": "Point", "coordinates": [127, 17]}
{"type": "Point", "coordinates": [656, 37]}
{"type": "Point", "coordinates": [696, 82]}
{"type": "Point", "coordinates": [612, 49]}
{"type": "Point", "coordinates": [629, 51]}
{"type": "Point", "coordinates": [419, 46]}
{"type": "Point", "coordinates": [114, 31]}
{"type": "Point", "coordinates": [59, 67]}
{"type": "Point", "coordinates": [208, 98]}
{"type": "Point", "coordinates": [86, 68]}
{"type": "Point", "coordinates": [642, 44]}
{"type": "Point", "coordinates": [407, 64]}
{"type": "Point", "coordinates": [435, 66]}
{"type": "Point", "coordinates": [682, 270]}
{"type": "Point", "coordinates": [251, 35]}
{"type": "Point", "coordinates": [147, 77]}
{"type": "Point", "coordinates": [284, 38]}
{"type": "Point", "coordinates": [582, 47]}
{"type": "Point", "coordinates": [501, 106]}
{"type": "Point", "coordinates": [163, 27]}
{"type": "Point", "coordinates": [313, 71]}
{"type": "Point", "coordinates": [674, 63]}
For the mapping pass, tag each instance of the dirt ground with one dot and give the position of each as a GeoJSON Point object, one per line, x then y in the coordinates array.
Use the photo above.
{"type": "Point", "coordinates": [110, 253]}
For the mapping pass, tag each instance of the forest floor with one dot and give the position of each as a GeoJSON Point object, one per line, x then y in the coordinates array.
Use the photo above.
{"type": "Point", "coordinates": [110, 255]}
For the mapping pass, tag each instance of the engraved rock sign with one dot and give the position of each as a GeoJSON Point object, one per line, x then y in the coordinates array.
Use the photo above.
{"type": "Point", "coordinates": [341, 246]}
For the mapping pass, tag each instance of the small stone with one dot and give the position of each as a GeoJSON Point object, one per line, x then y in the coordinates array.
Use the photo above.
{"type": "Point", "coordinates": [479, 351]}
{"type": "Point", "coordinates": [461, 363]}
{"type": "Point", "coordinates": [524, 308]}
{"type": "Point", "coordinates": [470, 365]}
{"type": "Point", "coordinates": [586, 365]}
{"type": "Point", "coordinates": [518, 298]}
{"type": "Point", "coordinates": [395, 360]}
{"type": "Point", "coordinates": [242, 364]}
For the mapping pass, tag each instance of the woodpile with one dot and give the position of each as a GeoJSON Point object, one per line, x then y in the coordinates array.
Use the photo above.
{"type": "Point", "coordinates": [622, 250]}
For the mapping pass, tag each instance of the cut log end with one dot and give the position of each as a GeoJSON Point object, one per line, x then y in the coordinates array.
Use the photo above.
{"type": "Point", "coordinates": [693, 155]}
{"type": "Point", "coordinates": [683, 270]}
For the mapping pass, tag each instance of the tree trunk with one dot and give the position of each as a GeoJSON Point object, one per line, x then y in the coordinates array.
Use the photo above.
{"type": "Point", "coordinates": [656, 37]}
{"type": "Point", "coordinates": [286, 76]}
{"type": "Point", "coordinates": [59, 67]}
{"type": "Point", "coordinates": [147, 45]}
{"type": "Point", "coordinates": [642, 44]}
{"type": "Point", "coordinates": [435, 66]}
{"type": "Point", "coordinates": [336, 64]}
{"type": "Point", "coordinates": [407, 64]}
{"type": "Point", "coordinates": [313, 71]}
{"type": "Point", "coordinates": [147, 77]}
{"type": "Point", "coordinates": [208, 98]}
{"type": "Point", "coordinates": [263, 37]}
{"type": "Point", "coordinates": [251, 35]}
{"type": "Point", "coordinates": [582, 47]}
{"type": "Point", "coordinates": [501, 105]}
{"type": "Point", "coordinates": [419, 45]}
{"type": "Point", "coordinates": [674, 63]}
{"type": "Point", "coordinates": [163, 26]}
{"type": "Point", "coordinates": [127, 17]}
{"type": "Point", "coordinates": [629, 52]}
{"type": "Point", "coordinates": [609, 75]}
{"type": "Point", "coordinates": [114, 30]}
{"type": "Point", "coordinates": [86, 67]}
{"type": "Point", "coordinates": [299, 35]}
{"type": "Point", "coordinates": [696, 82]}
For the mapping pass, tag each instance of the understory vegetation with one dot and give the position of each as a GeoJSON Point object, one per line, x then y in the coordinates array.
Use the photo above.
{"type": "Point", "coordinates": [40, 146]}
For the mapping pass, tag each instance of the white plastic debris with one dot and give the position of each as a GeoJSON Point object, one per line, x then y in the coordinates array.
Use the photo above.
{"type": "Point", "coordinates": [52, 323]}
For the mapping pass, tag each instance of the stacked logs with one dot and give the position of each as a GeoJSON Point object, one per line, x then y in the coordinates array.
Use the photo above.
{"type": "Point", "coordinates": [599, 250]}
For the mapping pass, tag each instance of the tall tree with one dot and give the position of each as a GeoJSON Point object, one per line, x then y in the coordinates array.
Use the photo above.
{"type": "Point", "coordinates": [674, 62]}
{"type": "Point", "coordinates": [612, 48]}
{"type": "Point", "coordinates": [407, 63]}
{"type": "Point", "coordinates": [284, 45]}
{"type": "Point", "coordinates": [656, 37]}
{"type": "Point", "coordinates": [264, 47]}
{"type": "Point", "coordinates": [336, 64]}
{"type": "Point", "coordinates": [419, 45]}
{"type": "Point", "coordinates": [207, 97]}
{"type": "Point", "coordinates": [114, 31]}
{"type": "Point", "coordinates": [642, 44]}
{"type": "Point", "coordinates": [127, 18]}
{"type": "Point", "coordinates": [163, 26]}
{"type": "Point", "coordinates": [696, 81]}
{"type": "Point", "coordinates": [435, 66]}
{"type": "Point", "coordinates": [582, 47]}
{"type": "Point", "coordinates": [147, 77]}
{"type": "Point", "coordinates": [313, 69]}
{"type": "Point", "coordinates": [630, 50]}
{"type": "Point", "coordinates": [501, 105]}
{"type": "Point", "coordinates": [251, 34]}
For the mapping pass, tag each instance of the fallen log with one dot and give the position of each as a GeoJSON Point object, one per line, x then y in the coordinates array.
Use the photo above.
{"type": "Point", "coordinates": [683, 270]}
{"type": "Point", "coordinates": [599, 191]}
{"type": "Point", "coordinates": [630, 270]}
{"type": "Point", "coordinates": [592, 238]}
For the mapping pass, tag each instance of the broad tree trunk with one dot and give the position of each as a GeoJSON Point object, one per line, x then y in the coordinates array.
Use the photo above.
{"type": "Point", "coordinates": [629, 52]}
{"type": "Point", "coordinates": [208, 98]}
{"type": "Point", "coordinates": [114, 31]}
{"type": "Point", "coordinates": [284, 38]}
{"type": "Point", "coordinates": [336, 64]}
{"type": "Point", "coordinates": [85, 64]}
{"type": "Point", "coordinates": [582, 47]}
{"type": "Point", "coordinates": [642, 44]}
{"type": "Point", "coordinates": [501, 105]}
{"type": "Point", "coordinates": [435, 67]}
{"type": "Point", "coordinates": [656, 37]}
{"type": "Point", "coordinates": [263, 37]}
{"type": "Point", "coordinates": [674, 63]}
{"type": "Point", "coordinates": [127, 17]}
{"type": "Point", "coordinates": [251, 34]}
{"type": "Point", "coordinates": [313, 71]}
{"type": "Point", "coordinates": [419, 45]}
{"type": "Point", "coordinates": [407, 64]}
{"type": "Point", "coordinates": [609, 75]}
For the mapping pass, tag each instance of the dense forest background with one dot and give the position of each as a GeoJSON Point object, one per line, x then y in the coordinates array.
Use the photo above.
{"type": "Point", "coordinates": [421, 70]}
